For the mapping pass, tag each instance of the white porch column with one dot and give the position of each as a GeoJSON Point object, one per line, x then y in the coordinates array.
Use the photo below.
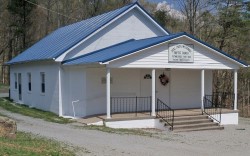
{"type": "Point", "coordinates": [153, 92]}
{"type": "Point", "coordinates": [202, 88]}
{"type": "Point", "coordinates": [108, 92]}
{"type": "Point", "coordinates": [235, 88]}
{"type": "Point", "coordinates": [60, 92]}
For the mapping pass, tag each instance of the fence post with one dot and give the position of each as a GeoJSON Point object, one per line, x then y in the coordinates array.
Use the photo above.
{"type": "Point", "coordinates": [156, 107]}
{"type": "Point", "coordinates": [150, 106]}
{"type": "Point", "coordinates": [204, 104]}
{"type": "Point", "coordinates": [136, 106]}
{"type": "Point", "coordinates": [220, 114]}
{"type": "Point", "coordinates": [173, 121]}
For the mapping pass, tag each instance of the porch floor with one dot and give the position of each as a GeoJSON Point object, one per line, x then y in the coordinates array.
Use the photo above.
{"type": "Point", "coordinates": [144, 115]}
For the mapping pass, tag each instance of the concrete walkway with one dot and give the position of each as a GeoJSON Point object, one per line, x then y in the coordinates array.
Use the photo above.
{"type": "Point", "coordinates": [234, 140]}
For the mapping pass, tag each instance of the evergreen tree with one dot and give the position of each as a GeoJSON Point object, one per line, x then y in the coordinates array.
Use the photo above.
{"type": "Point", "coordinates": [20, 9]}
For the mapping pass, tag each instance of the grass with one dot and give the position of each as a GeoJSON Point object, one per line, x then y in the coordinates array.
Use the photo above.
{"type": "Point", "coordinates": [118, 131]}
{"type": "Point", "coordinates": [146, 132]}
{"type": "Point", "coordinates": [32, 112]}
{"type": "Point", "coordinates": [123, 131]}
{"type": "Point", "coordinates": [26, 144]}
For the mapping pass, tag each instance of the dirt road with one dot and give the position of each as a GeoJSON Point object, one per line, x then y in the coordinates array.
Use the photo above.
{"type": "Point", "coordinates": [234, 140]}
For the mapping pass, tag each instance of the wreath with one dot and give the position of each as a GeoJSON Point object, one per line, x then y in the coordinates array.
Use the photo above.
{"type": "Point", "coordinates": [164, 79]}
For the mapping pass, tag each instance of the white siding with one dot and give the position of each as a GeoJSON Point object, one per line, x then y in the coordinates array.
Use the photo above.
{"type": "Point", "coordinates": [125, 83]}
{"type": "Point", "coordinates": [85, 85]}
{"type": "Point", "coordinates": [46, 101]}
{"type": "Point", "coordinates": [96, 93]}
{"type": "Point", "coordinates": [74, 89]}
{"type": "Point", "coordinates": [183, 90]}
{"type": "Point", "coordinates": [133, 25]}
{"type": "Point", "coordinates": [157, 57]}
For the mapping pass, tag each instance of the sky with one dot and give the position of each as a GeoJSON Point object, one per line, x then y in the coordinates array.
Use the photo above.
{"type": "Point", "coordinates": [156, 1]}
{"type": "Point", "coordinates": [174, 3]}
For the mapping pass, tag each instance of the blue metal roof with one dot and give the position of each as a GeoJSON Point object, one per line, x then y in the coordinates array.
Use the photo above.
{"type": "Point", "coordinates": [58, 42]}
{"type": "Point", "coordinates": [129, 47]}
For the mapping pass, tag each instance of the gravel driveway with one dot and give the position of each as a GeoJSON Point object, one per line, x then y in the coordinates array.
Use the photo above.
{"type": "Point", "coordinates": [234, 140]}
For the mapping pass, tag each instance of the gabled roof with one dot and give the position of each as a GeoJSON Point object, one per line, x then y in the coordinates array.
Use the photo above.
{"type": "Point", "coordinates": [132, 46]}
{"type": "Point", "coordinates": [118, 50]}
{"type": "Point", "coordinates": [62, 39]}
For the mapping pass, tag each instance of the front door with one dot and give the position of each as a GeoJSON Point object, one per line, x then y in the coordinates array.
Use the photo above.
{"type": "Point", "coordinates": [146, 83]}
{"type": "Point", "coordinates": [20, 86]}
{"type": "Point", "coordinates": [162, 80]}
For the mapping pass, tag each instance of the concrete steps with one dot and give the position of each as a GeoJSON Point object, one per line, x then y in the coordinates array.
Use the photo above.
{"type": "Point", "coordinates": [193, 123]}
{"type": "Point", "coordinates": [200, 129]}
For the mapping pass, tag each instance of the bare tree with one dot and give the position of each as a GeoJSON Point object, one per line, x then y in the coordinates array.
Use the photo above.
{"type": "Point", "coordinates": [194, 10]}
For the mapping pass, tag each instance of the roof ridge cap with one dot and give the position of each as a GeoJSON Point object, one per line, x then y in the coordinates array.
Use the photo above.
{"type": "Point", "coordinates": [132, 4]}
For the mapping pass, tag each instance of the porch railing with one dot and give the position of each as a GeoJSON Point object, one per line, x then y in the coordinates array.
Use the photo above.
{"type": "Point", "coordinates": [224, 99]}
{"type": "Point", "coordinates": [164, 112]}
{"type": "Point", "coordinates": [213, 110]}
{"type": "Point", "coordinates": [130, 105]}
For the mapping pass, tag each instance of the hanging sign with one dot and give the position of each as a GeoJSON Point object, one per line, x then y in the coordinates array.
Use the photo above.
{"type": "Point", "coordinates": [180, 53]}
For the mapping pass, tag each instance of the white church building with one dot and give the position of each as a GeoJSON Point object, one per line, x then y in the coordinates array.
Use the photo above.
{"type": "Point", "coordinates": [120, 61]}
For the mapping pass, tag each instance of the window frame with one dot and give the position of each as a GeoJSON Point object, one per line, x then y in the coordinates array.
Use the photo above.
{"type": "Point", "coordinates": [29, 82]}
{"type": "Point", "coordinates": [42, 79]}
{"type": "Point", "coordinates": [15, 81]}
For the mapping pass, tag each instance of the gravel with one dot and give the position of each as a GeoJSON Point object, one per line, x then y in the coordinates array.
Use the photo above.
{"type": "Point", "coordinates": [234, 140]}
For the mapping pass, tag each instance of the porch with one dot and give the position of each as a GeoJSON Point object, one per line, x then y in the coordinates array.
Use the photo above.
{"type": "Point", "coordinates": [136, 112]}
{"type": "Point", "coordinates": [111, 91]}
{"type": "Point", "coordinates": [186, 117]}
{"type": "Point", "coordinates": [144, 115]}
{"type": "Point", "coordinates": [178, 94]}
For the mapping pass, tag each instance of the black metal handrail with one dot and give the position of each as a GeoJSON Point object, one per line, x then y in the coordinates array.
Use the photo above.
{"type": "Point", "coordinates": [213, 110]}
{"type": "Point", "coordinates": [164, 112]}
{"type": "Point", "coordinates": [130, 105]}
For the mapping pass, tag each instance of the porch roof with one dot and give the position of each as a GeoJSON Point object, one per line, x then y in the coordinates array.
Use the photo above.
{"type": "Point", "coordinates": [132, 46]}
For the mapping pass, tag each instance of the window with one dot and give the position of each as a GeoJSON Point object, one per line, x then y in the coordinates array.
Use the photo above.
{"type": "Point", "coordinates": [29, 81]}
{"type": "Point", "coordinates": [15, 76]}
{"type": "Point", "coordinates": [43, 82]}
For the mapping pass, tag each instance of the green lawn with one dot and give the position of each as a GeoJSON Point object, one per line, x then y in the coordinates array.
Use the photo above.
{"type": "Point", "coordinates": [120, 130]}
{"type": "Point", "coordinates": [24, 110]}
{"type": "Point", "coordinates": [30, 145]}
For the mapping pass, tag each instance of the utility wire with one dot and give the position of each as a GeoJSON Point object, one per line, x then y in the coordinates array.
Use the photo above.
{"type": "Point", "coordinates": [50, 10]}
